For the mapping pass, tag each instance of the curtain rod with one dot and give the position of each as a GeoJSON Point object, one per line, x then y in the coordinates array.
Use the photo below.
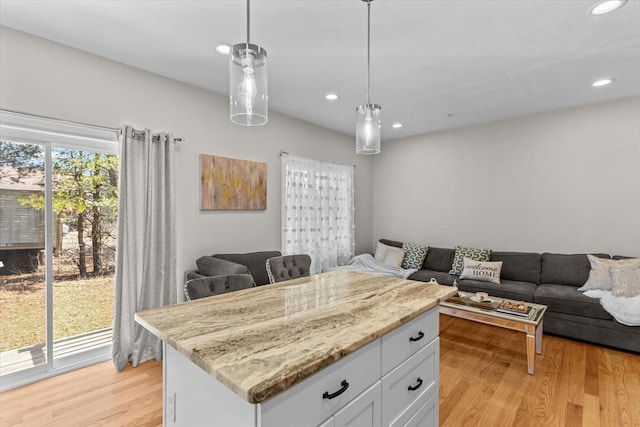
{"type": "Point", "coordinates": [284, 153]}
{"type": "Point", "coordinates": [119, 130]}
{"type": "Point", "coordinates": [63, 121]}
{"type": "Point", "coordinates": [154, 136]}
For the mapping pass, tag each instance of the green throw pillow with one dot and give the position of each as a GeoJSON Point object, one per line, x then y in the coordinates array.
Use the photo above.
{"type": "Point", "coordinates": [473, 253]}
{"type": "Point", "coordinates": [414, 255]}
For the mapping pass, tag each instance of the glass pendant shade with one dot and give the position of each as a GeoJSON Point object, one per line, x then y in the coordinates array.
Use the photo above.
{"type": "Point", "coordinates": [248, 100]}
{"type": "Point", "coordinates": [368, 121]}
{"type": "Point", "coordinates": [368, 127]}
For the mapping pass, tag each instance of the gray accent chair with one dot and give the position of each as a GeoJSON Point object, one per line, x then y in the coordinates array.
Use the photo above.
{"type": "Point", "coordinates": [287, 267]}
{"type": "Point", "coordinates": [216, 285]}
{"type": "Point", "coordinates": [252, 263]}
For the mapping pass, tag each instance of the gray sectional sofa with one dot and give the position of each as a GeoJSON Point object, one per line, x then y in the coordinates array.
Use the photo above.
{"type": "Point", "coordinates": [547, 278]}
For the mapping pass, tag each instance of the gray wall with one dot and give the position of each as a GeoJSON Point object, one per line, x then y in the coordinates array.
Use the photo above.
{"type": "Point", "coordinates": [565, 181]}
{"type": "Point", "coordinates": [44, 78]}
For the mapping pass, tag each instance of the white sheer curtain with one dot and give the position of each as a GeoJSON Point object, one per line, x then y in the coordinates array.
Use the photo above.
{"type": "Point", "coordinates": [146, 248]}
{"type": "Point", "coordinates": [318, 211]}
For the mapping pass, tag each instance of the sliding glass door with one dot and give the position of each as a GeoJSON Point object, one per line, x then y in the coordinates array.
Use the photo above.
{"type": "Point", "coordinates": [57, 249]}
{"type": "Point", "coordinates": [22, 244]}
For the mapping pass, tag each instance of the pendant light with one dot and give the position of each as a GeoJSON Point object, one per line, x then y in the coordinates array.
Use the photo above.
{"type": "Point", "coordinates": [368, 123]}
{"type": "Point", "coordinates": [248, 99]}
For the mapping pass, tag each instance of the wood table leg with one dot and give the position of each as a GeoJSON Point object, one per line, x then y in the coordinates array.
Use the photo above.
{"type": "Point", "coordinates": [531, 354]}
{"type": "Point", "coordinates": [539, 338]}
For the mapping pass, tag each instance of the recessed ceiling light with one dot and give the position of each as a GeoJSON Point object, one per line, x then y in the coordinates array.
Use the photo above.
{"type": "Point", "coordinates": [223, 49]}
{"type": "Point", "coordinates": [331, 97]}
{"type": "Point", "coordinates": [602, 82]}
{"type": "Point", "coordinates": [396, 125]}
{"type": "Point", "coordinates": [607, 6]}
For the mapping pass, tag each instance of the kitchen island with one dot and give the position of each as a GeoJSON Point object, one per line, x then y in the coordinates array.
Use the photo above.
{"type": "Point", "coordinates": [329, 350]}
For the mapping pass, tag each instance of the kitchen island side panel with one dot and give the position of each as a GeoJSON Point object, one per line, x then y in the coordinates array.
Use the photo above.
{"type": "Point", "coordinates": [192, 398]}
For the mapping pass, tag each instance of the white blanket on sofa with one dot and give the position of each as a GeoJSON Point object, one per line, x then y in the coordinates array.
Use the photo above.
{"type": "Point", "coordinates": [366, 263]}
{"type": "Point", "coordinates": [625, 310]}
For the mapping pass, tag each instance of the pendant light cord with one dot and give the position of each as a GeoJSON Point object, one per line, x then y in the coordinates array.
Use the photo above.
{"type": "Point", "coordinates": [368, 49]}
{"type": "Point", "coordinates": [248, 23]}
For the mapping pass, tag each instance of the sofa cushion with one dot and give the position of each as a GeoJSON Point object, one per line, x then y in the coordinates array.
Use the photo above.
{"type": "Point", "coordinates": [256, 263]}
{"type": "Point", "coordinates": [519, 266]}
{"type": "Point", "coordinates": [393, 243]}
{"type": "Point", "coordinates": [440, 276]}
{"type": "Point", "coordinates": [210, 266]}
{"type": "Point", "coordinates": [622, 257]}
{"type": "Point", "coordinates": [560, 269]}
{"type": "Point", "coordinates": [481, 271]}
{"type": "Point", "coordinates": [438, 259]}
{"type": "Point", "coordinates": [567, 299]}
{"type": "Point", "coordinates": [519, 291]}
{"type": "Point", "coordinates": [465, 251]}
{"type": "Point", "coordinates": [414, 255]}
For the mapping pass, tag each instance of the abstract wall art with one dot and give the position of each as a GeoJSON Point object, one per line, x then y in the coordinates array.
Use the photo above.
{"type": "Point", "coordinates": [232, 184]}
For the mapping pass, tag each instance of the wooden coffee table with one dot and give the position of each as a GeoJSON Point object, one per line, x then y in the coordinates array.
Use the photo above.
{"type": "Point", "coordinates": [462, 306]}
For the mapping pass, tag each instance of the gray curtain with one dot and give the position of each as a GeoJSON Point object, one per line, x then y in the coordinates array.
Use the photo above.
{"type": "Point", "coordinates": [146, 249]}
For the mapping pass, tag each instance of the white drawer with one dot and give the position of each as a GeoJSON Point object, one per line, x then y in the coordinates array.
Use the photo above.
{"type": "Point", "coordinates": [363, 411]}
{"type": "Point", "coordinates": [400, 344]}
{"type": "Point", "coordinates": [410, 385]}
{"type": "Point", "coordinates": [426, 416]}
{"type": "Point", "coordinates": [304, 405]}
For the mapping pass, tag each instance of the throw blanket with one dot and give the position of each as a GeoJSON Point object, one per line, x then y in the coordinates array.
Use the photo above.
{"type": "Point", "coordinates": [366, 263]}
{"type": "Point", "coordinates": [624, 310]}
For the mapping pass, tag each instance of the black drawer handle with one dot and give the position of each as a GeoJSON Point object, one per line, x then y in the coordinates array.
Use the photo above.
{"type": "Point", "coordinates": [418, 338]}
{"type": "Point", "coordinates": [345, 386]}
{"type": "Point", "coordinates": [417, 386]}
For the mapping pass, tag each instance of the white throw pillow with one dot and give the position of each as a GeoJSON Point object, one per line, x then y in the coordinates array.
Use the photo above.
{"type": "Point", "coordinates": [389, 255]}
{"type": "Point", "coordinates": [626, 282]}
{"type": "Point", "coordinates": [600, 274]}
{"type": "Point", "coordinates": [484, 271]}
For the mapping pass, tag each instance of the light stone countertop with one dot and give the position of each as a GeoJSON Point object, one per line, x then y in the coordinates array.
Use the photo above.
{"type": "Point", "coordinates": [261, 341]}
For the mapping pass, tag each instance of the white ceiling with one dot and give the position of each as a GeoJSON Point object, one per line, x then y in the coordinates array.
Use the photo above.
{"type": "Point", "coordinates": [434, 64]}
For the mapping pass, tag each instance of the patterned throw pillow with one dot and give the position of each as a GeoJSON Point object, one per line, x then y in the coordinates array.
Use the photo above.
{"type": "Point", "coordinates": [600, 276]}
{"type": "Point", "coordinates": [414, 255]}
{"type": "Point", "coordinates": [389, 255]}
{"type": "Point", "coordinates": [626, 282]}
{"type": "Point", "coordinates": [482, 271]}
{"type": "Point", "coordinates": [464, 251]}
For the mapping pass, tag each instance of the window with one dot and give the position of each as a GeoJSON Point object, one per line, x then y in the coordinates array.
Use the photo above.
{"type": "Point", "coordinates": [58, 187]}
{"type": "Point", "coordinates": [318, 211]}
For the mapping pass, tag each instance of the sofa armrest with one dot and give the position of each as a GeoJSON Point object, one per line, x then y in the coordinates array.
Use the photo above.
{"type": "Point", "coordinates": [213, 266]}
{"type": "Point", "coordinates": [216, 285]}
{"type": "Point", "coordinates": [192, 274]}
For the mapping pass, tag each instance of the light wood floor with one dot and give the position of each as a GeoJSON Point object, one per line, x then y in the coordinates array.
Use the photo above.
{"type": "Point", "coordinates": [483, 375]}
{"type": "Point", "coordinates": [93, 396]}
{"type": "Point", "coordinates": [484, 380]}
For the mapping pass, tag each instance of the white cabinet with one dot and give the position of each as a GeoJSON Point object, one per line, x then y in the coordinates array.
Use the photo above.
{"type": "Point", "coordinates": [403, 342]}
{"type": "Point", "coordinates": [364, 411]}
{"type": "Point", "coordinates": [390, 382]}
{"type": "Point", "coordinates": [406, 388]}
{"type": "Point", "coordinates": [426, 416]}
{"type": "Point", "coordinates": [322, 395]}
